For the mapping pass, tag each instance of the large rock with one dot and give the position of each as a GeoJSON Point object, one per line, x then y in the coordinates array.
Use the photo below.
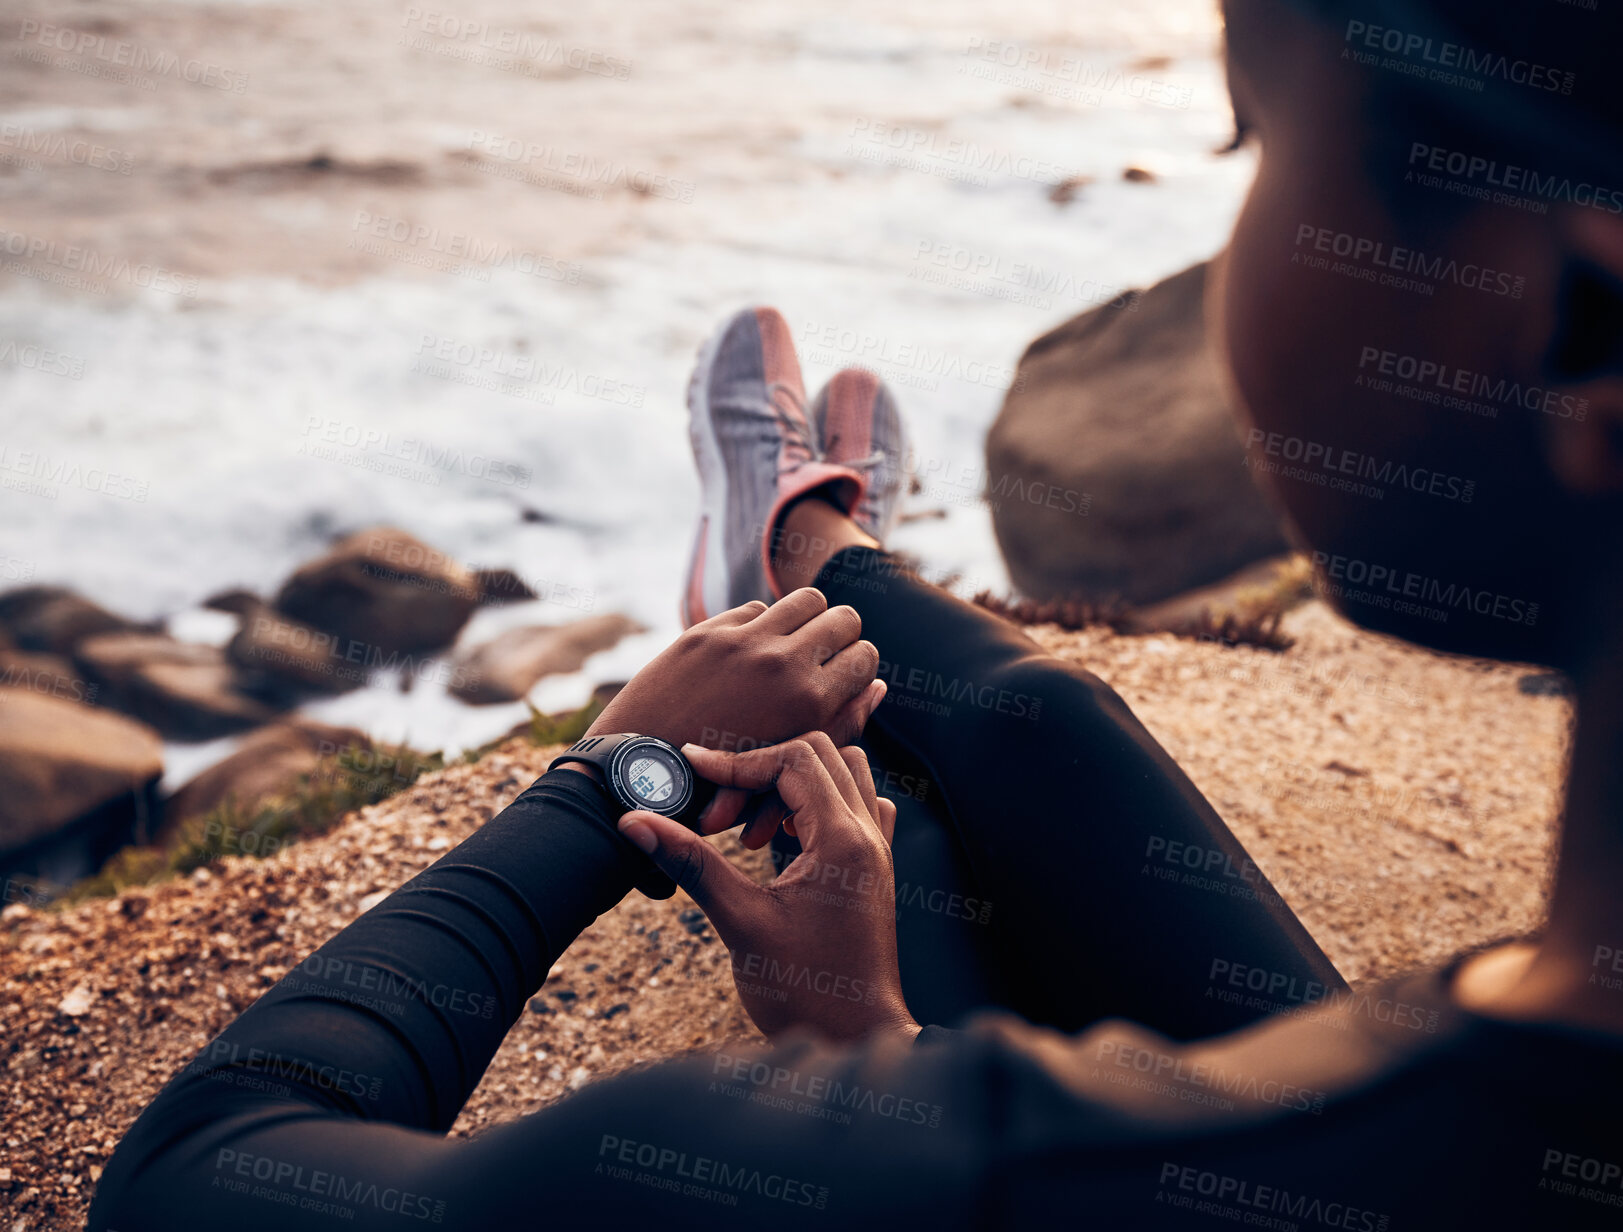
{"type": "Point", "coordinates": [269, 763]}
{"type": "Point", "coordinates": [236, 600]}
{"type": "Point", "coordinates": [282, 658]}
{"type": "Point", "coordinates": [1114, 468]}
{"type": "Point", "coordinates": [502, 585]}
{"type": "Point", "coordinates": [76, 784]}
{"type": "Point", "coordinates": [384, 590]}
{"type": "Point", "coordinates": [507, 667]}
{"type": "Point", "coordinates": [47, 674]}
{"type": "Point", "coordinates": [54, 620]}
{"type": "Point", "coordinates": [185, 690]}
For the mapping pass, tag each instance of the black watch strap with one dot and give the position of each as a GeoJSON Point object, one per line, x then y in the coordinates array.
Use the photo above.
{"type": "Point", "coordinates": [599, 751]}
{"type": "Point", "coordinates": [593, 751]}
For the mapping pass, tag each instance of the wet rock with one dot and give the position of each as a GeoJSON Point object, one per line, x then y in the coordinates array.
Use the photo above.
{"type": "Point", "coordinates": [270, 762]}
{"type": "Point", "coordinates": [1069, 189]}
{"type": "Point", "coordinates": [76, 782]}
{"type": "Point", "coordinates": [185, 690]}
{"type": "Point", "coordinates": [236, 600]}
{"type": "Point", "coordinates": [1114, 468]}
{"type": "Point", "coordinates": [281, 657]}
{"type": "Point", "coordinates": [55, 620]}
{"type": "Point", "coordinates": [506, 668]}
{"type": "Point", "coordinates": [47, 674]}
{"type": "Point", "coordinates": [502, 586]}
{"type": "Point", "coordinates": [384, 589]}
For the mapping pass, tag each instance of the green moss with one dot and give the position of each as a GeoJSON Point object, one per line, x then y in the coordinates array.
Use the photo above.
{"type": "Point", "coordinates": [548, 729]}
{"type": "Point", "coordinates": [1249, 616]}
{"type": "Point", "coordinates": [339, 784]}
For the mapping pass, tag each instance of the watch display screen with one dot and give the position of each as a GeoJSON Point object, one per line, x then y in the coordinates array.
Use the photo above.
{"type": "Point", "coordinates": [651, 778]}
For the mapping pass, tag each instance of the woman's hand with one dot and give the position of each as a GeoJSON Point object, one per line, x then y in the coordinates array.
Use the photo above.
{"type": "Point", "coordinates": [816, 947]}
{"type": "Point", "coordinates": [753, 676]}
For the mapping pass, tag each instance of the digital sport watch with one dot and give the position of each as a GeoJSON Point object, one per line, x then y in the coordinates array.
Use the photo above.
{"type": "Point", "coordinates": [643, 772]}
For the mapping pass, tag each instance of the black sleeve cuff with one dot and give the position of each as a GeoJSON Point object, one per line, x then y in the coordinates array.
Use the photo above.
{"type": "Point", "coordinates": [595, 802]}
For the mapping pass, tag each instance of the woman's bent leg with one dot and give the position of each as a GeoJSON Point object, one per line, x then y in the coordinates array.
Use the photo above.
{"type": "Point", "coordinates": [1111, 888]}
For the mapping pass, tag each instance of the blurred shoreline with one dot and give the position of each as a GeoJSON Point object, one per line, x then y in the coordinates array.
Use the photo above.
{"type": "Point", "coordinates": [279, 272]}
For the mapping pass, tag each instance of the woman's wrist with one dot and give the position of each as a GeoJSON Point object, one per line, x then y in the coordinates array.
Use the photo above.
{"type": "Point", "coordinates": [581, 767]}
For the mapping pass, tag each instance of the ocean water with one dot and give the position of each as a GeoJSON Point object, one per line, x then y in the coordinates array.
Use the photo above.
{"type": "Point", "coordinates": [343, 265]}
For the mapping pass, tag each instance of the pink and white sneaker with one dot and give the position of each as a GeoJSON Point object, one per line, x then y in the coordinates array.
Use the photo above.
{"type": "Point", "coordinates": [757, 452]}
{"type": "Point", "coordinates": [859, 426]}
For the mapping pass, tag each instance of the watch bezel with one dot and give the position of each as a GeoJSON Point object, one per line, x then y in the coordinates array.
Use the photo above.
{"type": "Point", "coordinates": [621, 756]}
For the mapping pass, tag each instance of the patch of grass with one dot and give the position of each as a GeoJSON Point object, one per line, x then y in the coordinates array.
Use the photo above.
{"type": "Point", "coordinates": [339, 784]}
{"type": "Point", "coordinates": [548, 729]}
{"type": "Point", "coordinates": [1066, 613]}
{"type": "Point", "coordinates": [1250, 616]}
{"type": "Point", "coordinates": [1258, 628]}
{"type": "Point", "coordinates": [544, 729]}
{"type": "Point", "coordinates": [133, 866]}
{"type": "Point", "coordinates": [1254, 613]}
{"type": "Point", "coordinates": [1290, 587]}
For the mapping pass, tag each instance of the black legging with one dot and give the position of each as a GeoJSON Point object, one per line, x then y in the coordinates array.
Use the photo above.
{"type": "Point", "coordinates": [333, 1091]}
{"type": "Point", "coordinates": [1033, 816]}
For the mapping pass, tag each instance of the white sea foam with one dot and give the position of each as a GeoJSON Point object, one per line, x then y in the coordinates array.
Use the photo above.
{"type": "Point", "coordinates": [268, 414]}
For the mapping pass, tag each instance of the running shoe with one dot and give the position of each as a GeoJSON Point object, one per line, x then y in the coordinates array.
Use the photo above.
{"type": "Point", "coordinates": [757, 452]}
{"type": "Point", "coordinates": [859, 426]}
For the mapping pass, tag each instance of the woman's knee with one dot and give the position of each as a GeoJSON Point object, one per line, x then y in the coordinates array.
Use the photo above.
{"type": "Point", "coordinates": [1043, 687]}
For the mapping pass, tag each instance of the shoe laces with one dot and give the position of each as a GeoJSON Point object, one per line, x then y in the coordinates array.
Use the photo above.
{"type": "Point", "coordinates": [794, 422]}
{"type": "Point", "coordinates": [872, 462]}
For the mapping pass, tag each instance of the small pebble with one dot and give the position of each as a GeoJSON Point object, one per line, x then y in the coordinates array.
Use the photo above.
{"type": "Point", "coordinates": [76, 1002]}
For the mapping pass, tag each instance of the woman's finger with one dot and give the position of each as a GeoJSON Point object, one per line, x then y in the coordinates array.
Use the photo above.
{"type": "Point", "coordinates": [856, 761]}
{"type": "Point", "coordinates": [887, 820]}
{"type": "Point", "coordinates": [766, 814]}
{"type": "Point", "coordinates": [833, 759]}
{"type": "Point", "coordinates": [850, 671]}
{"type": "Point", "coordinates": [725, 894]}
{"type": "Point", "coordinates": [806, 772]}
{"type": "Point", "coordinates": [793, 610]}
{"type": "Point", "coordinates": [741, 615]}
{"type": "Point", "coordinates": [828, 633]}
{"type": "Point", "coordinates": [723, 812]}
{"type": "Point", "coordinates": [847, 725]}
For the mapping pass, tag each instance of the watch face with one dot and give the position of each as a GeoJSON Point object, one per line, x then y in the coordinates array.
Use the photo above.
{"type": "Point", "coordinates": [654, 777]}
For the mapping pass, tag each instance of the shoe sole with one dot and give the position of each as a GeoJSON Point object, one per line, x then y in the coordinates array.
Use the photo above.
{"type": "Point", "coordinates": [709, 558]}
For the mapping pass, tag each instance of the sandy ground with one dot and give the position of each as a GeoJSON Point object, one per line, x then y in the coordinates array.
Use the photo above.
{"type": "Point", "coordinates": [1403, 803]}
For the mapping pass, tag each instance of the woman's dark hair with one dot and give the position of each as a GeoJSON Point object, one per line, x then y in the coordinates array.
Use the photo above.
{"type": "Point", "coordinates": [1534, 78]}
